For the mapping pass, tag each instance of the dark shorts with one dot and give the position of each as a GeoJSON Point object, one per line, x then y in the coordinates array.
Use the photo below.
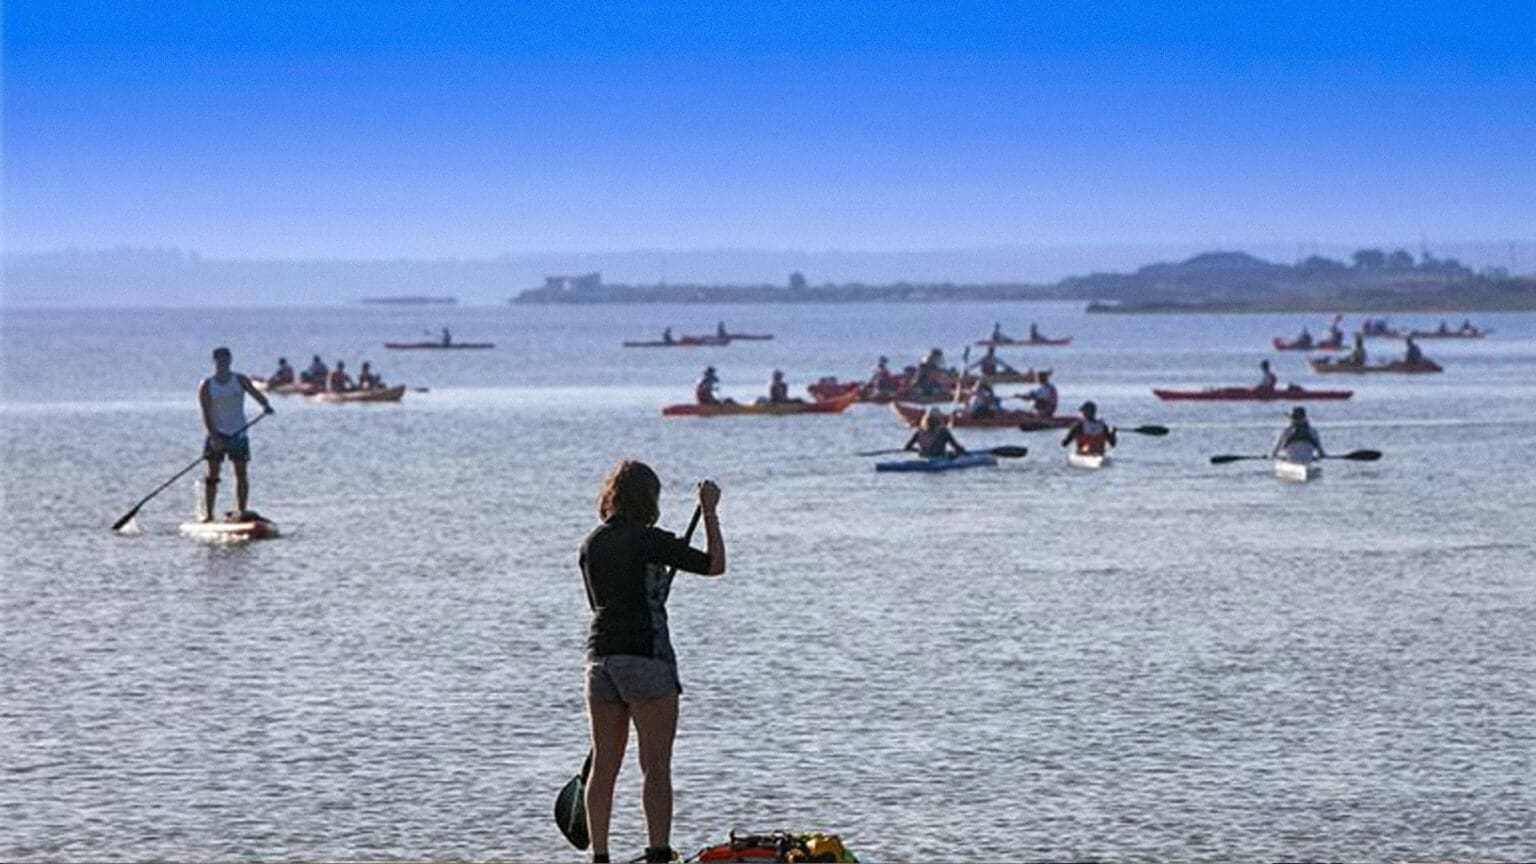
{"type": "Point", "coordinates": [629, 679]}
{"type": "Point", "coordinates": [238, 449]}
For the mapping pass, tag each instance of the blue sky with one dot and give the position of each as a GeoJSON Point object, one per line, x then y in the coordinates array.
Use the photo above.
{"type": "Point", "coordinates": [472, 129]}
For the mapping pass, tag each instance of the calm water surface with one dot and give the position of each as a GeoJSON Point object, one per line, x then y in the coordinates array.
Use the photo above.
{"type": "Point", "coordinates": [1165, 660]}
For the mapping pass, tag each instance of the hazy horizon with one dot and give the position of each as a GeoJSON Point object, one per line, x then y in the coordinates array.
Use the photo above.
{"type": "Point", "coordinates": [360, 132]}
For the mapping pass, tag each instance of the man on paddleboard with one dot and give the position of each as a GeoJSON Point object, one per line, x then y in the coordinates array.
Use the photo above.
{"type": "Point", "coordinates": [222, 399]}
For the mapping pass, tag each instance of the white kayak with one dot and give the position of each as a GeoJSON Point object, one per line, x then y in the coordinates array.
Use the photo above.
{"type": "Point", "coordinates": [1297, 472]}
{"type": "Point", "coordinates": [230, 532]}
{"type": "Point", "coordinates": [1088, 461]}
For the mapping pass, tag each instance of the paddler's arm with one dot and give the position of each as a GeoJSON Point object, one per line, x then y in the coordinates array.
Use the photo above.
{"type": "Point", "coordinates": [911, 442]}
{"type": "Point", "coordinates": [1111, 437]}
{"type": "Point", "coordinates": [950, 436]}
{"type": "Point", "coordinates": [260, 397]}
{"type": "Point", "coordinates": [709, 499]}
{"type": "Point", "coordinates": [1071, 434]}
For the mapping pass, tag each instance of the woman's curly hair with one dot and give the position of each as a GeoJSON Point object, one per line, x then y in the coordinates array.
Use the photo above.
{"type": "Point", "coordinates": [632, 490]}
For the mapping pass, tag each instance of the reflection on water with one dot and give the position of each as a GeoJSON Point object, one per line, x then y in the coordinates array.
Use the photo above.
{"type": "Point", "coordinates": [1167, 659]}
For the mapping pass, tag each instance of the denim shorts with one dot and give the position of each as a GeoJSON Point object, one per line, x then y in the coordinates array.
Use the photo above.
{"type": "Point", "coordinates": [629, 678]}
{"type": "Point", "coordinates": [237, 448]}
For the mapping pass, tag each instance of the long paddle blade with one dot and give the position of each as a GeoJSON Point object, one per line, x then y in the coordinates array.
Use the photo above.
{"type": "Point", "coordinates": [1359, 456]}
{"type": "Point", "coordinates": [1151, 429]}
{"type": "Point", "coordinates": [1009, 452]}
{"type": "Point", "coordinates": [1230, 457]}
{"type": "Point", "coordinates": [878, 452]}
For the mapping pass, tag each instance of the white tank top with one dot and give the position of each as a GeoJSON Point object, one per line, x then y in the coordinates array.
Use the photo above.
{"type": "Point", "coordinates": [228, 402]}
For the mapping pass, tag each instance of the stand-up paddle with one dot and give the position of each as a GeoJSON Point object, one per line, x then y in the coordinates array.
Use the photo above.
{"type": "Point", "coordinates": [1352, 456]}
{"type": "Point", "coordinates": [571, 803]}
{"type": "Point", "coordinates": [128, 517]}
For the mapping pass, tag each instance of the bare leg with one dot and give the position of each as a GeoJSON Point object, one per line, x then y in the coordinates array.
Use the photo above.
{"type": "Point", "coordinates": [242, 489]}
{"type": "Point", "coordinates": [211, 489]}
{"type": "Point", "coordinates": [610, 735]}
{"type": "Point", "coordinates": [656, 727]}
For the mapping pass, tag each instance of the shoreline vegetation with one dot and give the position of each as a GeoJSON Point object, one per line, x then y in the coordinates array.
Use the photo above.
{"type": "Point", "coordinates": [1212, 282]}
{"type": "Point", "coordinates": [1370, 280]}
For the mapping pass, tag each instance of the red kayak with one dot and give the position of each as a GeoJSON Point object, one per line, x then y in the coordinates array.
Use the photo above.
{"type": "Point", "coordinates": [1294, 345]}
{"type": "Point", "coordinates": [774, 409]}
{"type": "Point", "coordinates": [1249, 394]}
{"type": "Point", "coordinates": [681, 342]}
{"type": "Point", "coordinates": [1027, 420]}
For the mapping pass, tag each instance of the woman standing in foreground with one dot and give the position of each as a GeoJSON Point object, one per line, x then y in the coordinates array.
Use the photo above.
{"type": "Point", "coordinates": [627, 564]}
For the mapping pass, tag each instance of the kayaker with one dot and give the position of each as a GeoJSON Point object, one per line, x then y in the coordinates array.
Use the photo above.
{"type": "Point", "coordinates": [704, 390]}
{"type": "Point", "coordinates": [1267, 378]}
{"type": "Point", "coordinates": [316, 373]}
{"type": "Point", "coordinates": [778, 389]}
{"type": "Point", "coordinates": [367, 379]}
{"type": "Point", "coordinates": [666, 336]}
{"type": "Point", "coordinates": [1044, 396]}
{"type": "Point", "coordinates": [1356, 355]}
{"type": "Point", "coordinates": [221, 396]}
{"type": "Point", "coordinates": [989, 364]}
{"type": "Point", "coordinates": [882, 379]}
{"type": "Point", "coordinates": [447, 337]}
{"type": "Point", "coordinates": [1413, 355]}
{"type": "Point", "coordinates": [1444, 328]}
{"type": "Point", "coordinates": [1303, 339]}
{"type": "Point", "coordinates": [1466, 326]}
{"type": "Point", "coordinates": [721, 332]}
{"type": "Point", "coordinates": [927, 380]}
{"type": "Point", "coordinates": [283, 375]}
{"type": "Point", "coordinates": [1298, 442]}
{"type": "Point", "coordinates": [1335, 333]}
{"type": "Point", "coordinates": [339, 381]}
{"type": "Point", "coordinates": [997, 333]}
{"type": "Point", "coordinates": [933, 440]}
{"type": "Point", "coordinates": [631, 669]}
{"type": "Point", "coordinates": [1034, 333]}
{"type": "Point", "coordinates": [983, 402]}
{"type": "Point", "coordinates": [1091, 434]}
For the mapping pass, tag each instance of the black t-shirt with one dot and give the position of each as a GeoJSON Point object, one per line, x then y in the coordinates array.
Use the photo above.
{"type": "Point", "coordinates": [626, 567]}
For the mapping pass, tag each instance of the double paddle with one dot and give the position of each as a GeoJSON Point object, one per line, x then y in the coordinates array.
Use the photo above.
{"type": "Point", "coordinates": [999, 452]}
{"type": "Point", "coordinates": [571, 803]}
{"type": "Point", "coordinates": [1352, 456]}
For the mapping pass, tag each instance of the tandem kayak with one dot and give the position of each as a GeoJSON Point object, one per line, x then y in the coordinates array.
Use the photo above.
{"type": "Point", "coordinates": [1088, 461]}
{"type": "Point", "coordinates": [1249, 394]}
{"type": "Point", "coordinates": [939, 463]}
{"type": "Point", "coordinates": [382, 394]}
{"type": "Point", "coordinates": [1448, 334]}
{"type": "Point", "coordinates": [237, 531]}
{"type": "Point", "coordinates": [681, 342]}
{"type": "Point", "coordinates": [1330, 365]}
{"type": "Point", "coordinates": [773, 409]}
{"type": "Point", "coordinates": [1282, 344]}
{"type": "Point", "coordinates": [1024, 343]}
{"type": "Point", "coordinates": [1027, 420]}
{"type": "Point", "coordinates": [1297, 472]}
{"type": "Point", "coordinates": [296, 389]}
{"type": "Point", "coordinates": [438, 346]}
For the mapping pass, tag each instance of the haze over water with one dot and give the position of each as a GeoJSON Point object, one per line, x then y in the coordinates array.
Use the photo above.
{"type": "Point", "coordinates": [1165, 660]}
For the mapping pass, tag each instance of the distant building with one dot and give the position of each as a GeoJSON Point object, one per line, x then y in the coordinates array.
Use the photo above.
{"type": "Point", "coordinates": [584, 282]}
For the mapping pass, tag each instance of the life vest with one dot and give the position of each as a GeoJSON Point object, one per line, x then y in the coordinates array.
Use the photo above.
{"type": "Point", "coordinates": [1092, 436]}
{"type": "Point", "coordinates": [779, 846]}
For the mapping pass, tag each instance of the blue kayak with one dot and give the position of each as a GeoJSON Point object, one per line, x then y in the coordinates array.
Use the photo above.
{"type": "Point", "coordinates": [942, 463]}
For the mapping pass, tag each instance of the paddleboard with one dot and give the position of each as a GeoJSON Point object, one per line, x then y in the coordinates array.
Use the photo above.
{"type": "Point", "coordinates": [230, 532]}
